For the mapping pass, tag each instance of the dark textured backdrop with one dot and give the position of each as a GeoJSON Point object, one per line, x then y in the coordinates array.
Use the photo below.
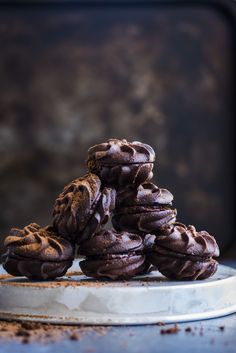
{"type": "Point", "coordinates": [70, 78]}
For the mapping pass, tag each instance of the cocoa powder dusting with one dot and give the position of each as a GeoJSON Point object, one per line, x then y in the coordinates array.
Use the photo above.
{"type": "Point", "coordinates": [28, 332]}
{"type": "Point", "coordinates": [72, 279]}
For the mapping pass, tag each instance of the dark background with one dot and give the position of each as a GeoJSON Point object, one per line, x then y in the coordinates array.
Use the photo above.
{"type": "Point", "coordinates": [73, 76]}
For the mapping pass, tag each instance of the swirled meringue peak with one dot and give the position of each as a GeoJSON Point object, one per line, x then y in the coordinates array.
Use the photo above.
{"type": "Point", "coordinates": [111, 242]}
{"type": "Point", "coordinates": [113, 255]}
{"type": "Point", "coordinates": [37, 252]}
{"type": "Point", "coordinates": [82, 208]}
{"type": "Point", "coordinates": [115, 151]}
{"type": "Point", "coordinates": [182, 253]}
{"type": "Point", "coordinates": [119, 162]}
{"type": "Point", "coordinates": [186, 240]}
{"type": "Point", "coordinates": [146, 194]}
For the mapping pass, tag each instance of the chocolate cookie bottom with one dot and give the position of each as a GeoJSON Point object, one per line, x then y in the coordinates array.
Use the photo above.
{"type": "Point", "coordinates": [35, 269]}
{"type": "Point", "coordinates": [118, 175]}
{"type": "Point", "coordinates": [118, 266]}
{"type": "Point", "coordinates": [183, 267]}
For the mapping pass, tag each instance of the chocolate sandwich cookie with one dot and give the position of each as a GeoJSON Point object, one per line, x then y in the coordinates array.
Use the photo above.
{"type": "Point", "coordinates": [37, 253]}
{"type": "Point", "coordinates": [113, 255]}
{"type": "Point", "coordinates": [82, 208]}
{"type": "Point", "coordinates": [119, 162]}
{"type": "Point", "coordinates": [144, 209]}
{"type": "Point", "coordinates": [182, 253]}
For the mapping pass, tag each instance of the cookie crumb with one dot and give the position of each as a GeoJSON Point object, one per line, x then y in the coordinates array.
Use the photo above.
{"type": "Point", "coordinates": [74, 337]}
{"type": "Point", "coordinates": [170, 330]}
{"type": "Point", "coordinates": [188, 329]}
{"type": "Point", "coordinates": [22, 332]}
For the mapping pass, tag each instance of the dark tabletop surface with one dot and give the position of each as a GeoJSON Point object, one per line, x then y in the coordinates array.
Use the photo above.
{"type": "Point", "coordinates": [218, 335]}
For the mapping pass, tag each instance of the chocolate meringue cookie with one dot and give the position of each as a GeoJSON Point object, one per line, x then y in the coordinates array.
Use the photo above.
{"type": "Point", "coordinates": [182, 253]}
{"type": "Point", "coordinates": [37, 253]}
{"type": "Point", "coordinates": [144, 209]}
{"type": "Point", "coordinates": [82, 208]}
{"type": "Point", "coordinates": [113, 255]}
{"type": "Point", "coordinates": [119, 162]}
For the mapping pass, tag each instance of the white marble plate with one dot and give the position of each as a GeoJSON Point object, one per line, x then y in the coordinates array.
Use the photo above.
{"type": "Point", "coordinates": [144, 300]}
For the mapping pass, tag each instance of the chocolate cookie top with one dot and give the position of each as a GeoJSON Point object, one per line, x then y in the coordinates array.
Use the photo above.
{"type": "Point", "coordinates": [111, 242]}
{"type": "Point", "coordinates": [83, 204]}
{"type": "Point", "coordinates": [115, 151]}
{"type": "Point", "coordinates": [77, 198]}
{"type": "Point", "coordinates": [186, 240]}
{"type": "Point", "coordinates": [38, 243]}
{"type": "Point", "coordinates": [146, 194]}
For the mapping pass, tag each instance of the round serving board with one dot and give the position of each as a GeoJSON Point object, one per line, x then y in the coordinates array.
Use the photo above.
{"type": "Point", "coordinates": [76, 299]}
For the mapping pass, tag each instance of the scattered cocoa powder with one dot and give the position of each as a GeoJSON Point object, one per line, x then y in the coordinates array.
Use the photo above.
{"type": "Point", "coordinates": [188, 329]}
{"type": "Point", "coordinates": [27, 332]}
{"type": "Point", "coordinates": [22, 332]}
{"type": "Point", "coordinates": [78, 280]}
{"type": "Point", "coordinates": [170, 330]}
{"type": "Point", "coordinates": [30, 325]}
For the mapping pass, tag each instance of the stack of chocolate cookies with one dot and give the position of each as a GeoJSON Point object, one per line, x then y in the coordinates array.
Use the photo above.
{"type": "Point", "coordinates": [117, 187]}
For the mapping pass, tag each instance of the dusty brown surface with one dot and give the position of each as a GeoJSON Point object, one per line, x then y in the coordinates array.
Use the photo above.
{"type": "Point", "coordinates": [27, 332]}
{"type": "Point", "coordinates": [67, 281]}
{"type": "Point", "coordinates": [8, 280]}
